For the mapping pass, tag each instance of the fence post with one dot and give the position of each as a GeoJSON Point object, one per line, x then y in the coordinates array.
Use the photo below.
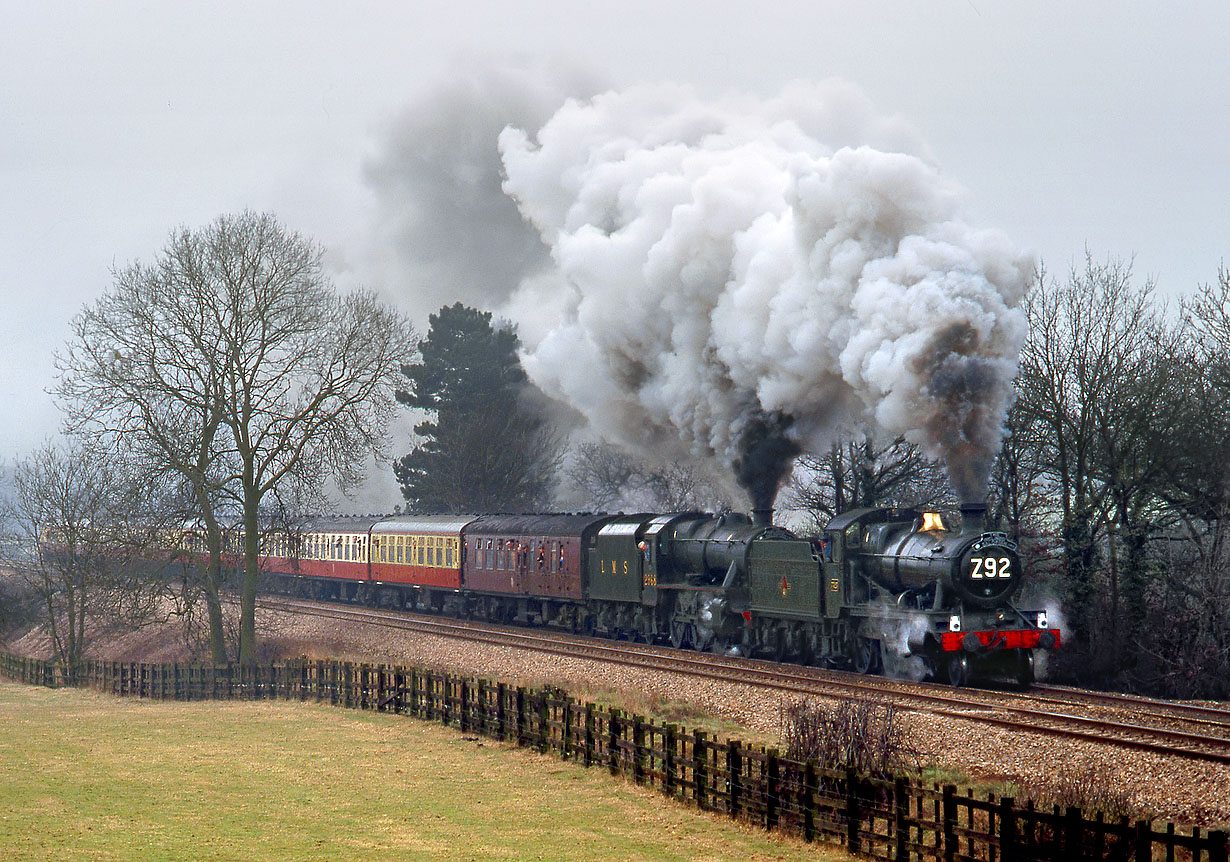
{"type": "Point", "coordinates": [901, 811]}
{"type": "Point", "coordinates": [852, 812]}
{"type": "Point", "coordinates": [808, 803]}
{"type": "Point", "coordinates": [772, 800]}
{"type": "Point", "coordinates": [501, 720]}
{"type": "Point", "coordinates": [1073, 832]}
{"type": "Point", "coordinates": [1217, 846]}
{"type": "Point", "coordinates": [542, 701]}
{"type": "Point", "coordinates": [700, 778]}
{"type": "Point", "coordinates": [566, 747]}
{"type": "Point", "coordinates": [1007, 829]}
{"type": "Point", "coordinates": [612, 742]}
{"type": "Point", "coordinates": [589, 735]}
{"type": "Point", "coordinates": [520, 715]}
{"type": "Point", "coordinates": [734, 775]}
{"type": "Point", "coordinates": [668, 760]}
{"type": "Point", "coordinates": [950, 822]}
{"type": "Point", "coordinates": [464, 718]}
{"type": "Point", "coordinates": [446, 697]}
{"type": "Point", "coordinates": [638, 750]}
{"type": "Point", "coordinates": [1144, 841]}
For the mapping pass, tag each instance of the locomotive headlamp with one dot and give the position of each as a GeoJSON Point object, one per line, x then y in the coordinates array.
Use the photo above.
{"type": "Point", "coordinates": [932, 521]}
{"type": "Point", "coordinates": [1042, 621]}
{"type": "Point", "coordinates": [954, 623]}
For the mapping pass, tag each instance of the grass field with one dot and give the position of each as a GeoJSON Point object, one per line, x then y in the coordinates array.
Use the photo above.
{"type": "Point", "coordinates": [87, 776]}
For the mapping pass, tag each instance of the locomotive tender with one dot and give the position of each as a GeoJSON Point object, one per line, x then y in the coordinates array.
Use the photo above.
{"type": "Point", "coordinates": [881, 590]}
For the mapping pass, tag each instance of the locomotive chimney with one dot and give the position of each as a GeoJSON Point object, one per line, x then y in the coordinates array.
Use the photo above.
{"type": "Point", "coordinates": [762, 517]}
{"type": "Point", "coordinates": [973, 517]}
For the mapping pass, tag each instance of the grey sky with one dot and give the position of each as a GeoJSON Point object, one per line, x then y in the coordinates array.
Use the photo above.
{"type": "Point", "coordinates": [1098, 123]}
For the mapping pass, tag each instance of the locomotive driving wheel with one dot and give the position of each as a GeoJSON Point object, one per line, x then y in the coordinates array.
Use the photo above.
{"type": "Point", "coordinates": [1024, 669]}
{"type": "Point", "coordinates": [958, 670]}
{"type": "Point", "coordinates": [681, 634]}
{"type": "Point", "coordinates": [867, 658]}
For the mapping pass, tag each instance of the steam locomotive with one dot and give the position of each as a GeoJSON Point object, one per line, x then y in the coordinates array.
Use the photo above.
{"type": "Point", "coordinates": [880, 590]}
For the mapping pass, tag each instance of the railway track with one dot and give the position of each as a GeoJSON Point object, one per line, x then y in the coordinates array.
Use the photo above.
{"type": "Point", "coordinates": [1195, 732]}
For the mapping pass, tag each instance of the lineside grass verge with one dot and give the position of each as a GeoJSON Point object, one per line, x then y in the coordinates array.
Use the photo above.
{"type": "Point", "coordinates": [88, 776]}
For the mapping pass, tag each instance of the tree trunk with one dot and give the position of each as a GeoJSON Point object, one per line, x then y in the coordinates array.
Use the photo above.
{"type": "Point", "coordinates": [213, 587]}
{"type": "Point", "coordinates": [247, 591]}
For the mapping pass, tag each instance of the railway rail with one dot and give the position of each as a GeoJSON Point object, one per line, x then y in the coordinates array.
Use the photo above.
{"type": "Point", "coordinates": [1190, 731]}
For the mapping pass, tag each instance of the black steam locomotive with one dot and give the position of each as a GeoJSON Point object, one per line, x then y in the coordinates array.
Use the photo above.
{"type": "Point", "coordinates": [881, 590]}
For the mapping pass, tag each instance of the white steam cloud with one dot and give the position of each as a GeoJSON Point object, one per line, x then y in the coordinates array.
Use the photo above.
{"type": "Point", "coordinates": [743, 279]}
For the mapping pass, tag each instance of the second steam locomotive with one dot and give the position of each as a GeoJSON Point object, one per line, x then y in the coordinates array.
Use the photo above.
{"type": "Point", "coordinates": [880, 590]}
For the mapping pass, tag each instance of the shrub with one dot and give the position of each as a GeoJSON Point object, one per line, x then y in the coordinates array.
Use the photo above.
{"type": "Point", "coordinates": [862, 734]}
{"type": "Point", "coordinates": [1090, 787]}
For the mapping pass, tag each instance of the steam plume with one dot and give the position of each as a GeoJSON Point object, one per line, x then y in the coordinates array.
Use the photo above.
{"type": "Point", "coordinates": [453, 233]}
{"type": "Point", "coordinates": [741, 279]}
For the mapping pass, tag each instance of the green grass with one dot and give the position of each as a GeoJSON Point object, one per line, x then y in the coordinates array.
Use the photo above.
{"type": "Point", "coordinates": [88, 776]}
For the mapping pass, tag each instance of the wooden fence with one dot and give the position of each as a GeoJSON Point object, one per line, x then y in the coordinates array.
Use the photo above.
{"type": "Point", "coordinates": [894, 820]}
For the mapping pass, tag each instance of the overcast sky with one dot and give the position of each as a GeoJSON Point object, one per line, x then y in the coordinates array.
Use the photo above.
{"type": "Point", "coordinates": [1100, 124]}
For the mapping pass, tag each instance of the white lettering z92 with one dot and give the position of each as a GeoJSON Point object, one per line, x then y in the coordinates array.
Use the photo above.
{"type": "Point", "coordinates": [990, 567]}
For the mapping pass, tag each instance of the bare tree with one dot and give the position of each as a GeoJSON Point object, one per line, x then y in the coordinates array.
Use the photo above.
{"type": "Point", "coordinates": [278, 382]}
{"type": "Point", "coordinates": [609, 478]}
{"type": "Point", "coordinates": [1086, 337]}
{"type": "Point", "coordinates": [606, 475]}
{"type": "Point", "coordinates": [866, 473]}
{"type": "Point", "coordinates": [680, 487]}
{"type": "Point", "coordinates": [97, 530]}
{"type": "Point", "coordinates": [1197, 483]}
{"type": "Point", "coordinates": [1016, 498]}
{"type": "Point", "coordinates": [142, 365]}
